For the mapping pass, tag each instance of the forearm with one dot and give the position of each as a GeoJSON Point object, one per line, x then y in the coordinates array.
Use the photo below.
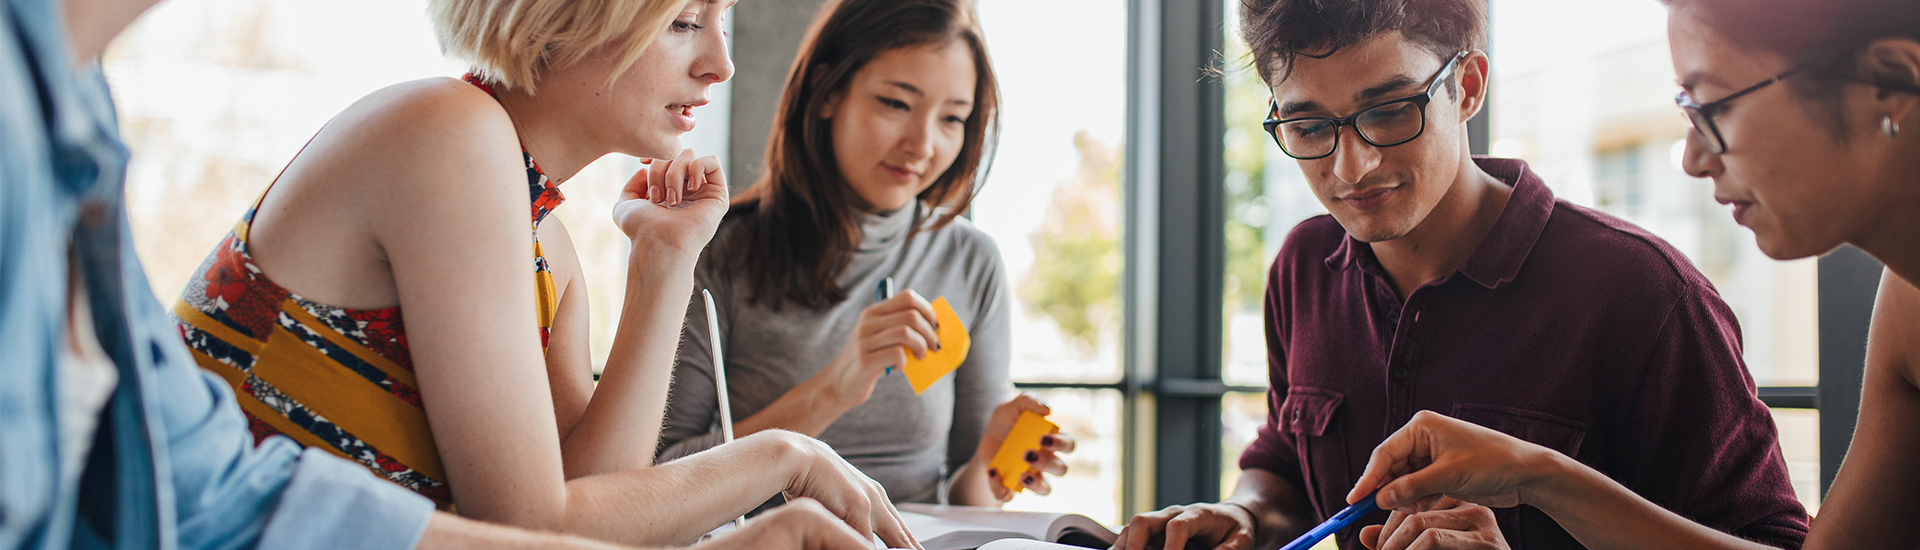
{"type": "Point", "coordinates": [1280, 512]}
{"type": "Point", "coordinates": [451, 532]}
{"type": "Point", "coordinates": [1603, 515]}
{"type": "Point", "coordinates": [675, 503]}
{"type": "Point", "coordinates": [621, 426]}
{"type": "Point", "coordinates": [806, 409]}
{"type": "Point", "coordinates": [969, 486]}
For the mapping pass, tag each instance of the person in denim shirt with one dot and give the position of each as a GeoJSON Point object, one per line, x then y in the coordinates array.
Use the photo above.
{"type": "Point", "coordinates": [170, 463]}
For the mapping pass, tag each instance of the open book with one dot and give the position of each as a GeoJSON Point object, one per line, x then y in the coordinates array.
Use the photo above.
{"type": "Point", "coordinates": [969, 527]}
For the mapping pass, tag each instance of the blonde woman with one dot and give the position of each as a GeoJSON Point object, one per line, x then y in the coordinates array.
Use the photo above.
{"type": "Point", "coordinates": [417, 199]}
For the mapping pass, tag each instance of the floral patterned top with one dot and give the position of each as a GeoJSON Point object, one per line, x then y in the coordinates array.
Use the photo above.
{"type": "Point", "coordinates": [330, 377]}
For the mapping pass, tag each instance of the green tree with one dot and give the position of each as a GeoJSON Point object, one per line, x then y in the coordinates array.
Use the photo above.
{"type": "Point", "coordinates": [1075, 278]}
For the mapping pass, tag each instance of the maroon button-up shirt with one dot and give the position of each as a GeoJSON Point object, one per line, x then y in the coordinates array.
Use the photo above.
{"type": "Point", "coordinates": [1566, 327]}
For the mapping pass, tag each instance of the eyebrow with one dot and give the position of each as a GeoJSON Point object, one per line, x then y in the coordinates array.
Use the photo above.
{"type": "Point", "coordinates": [915, 90]}
{"type": "Point", "coordinates": [1395, 83]}
{"type": "Point", "coordinates": [1696, 78]}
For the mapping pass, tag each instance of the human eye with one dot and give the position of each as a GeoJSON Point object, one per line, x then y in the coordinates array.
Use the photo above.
{"type": "Point", "coordinates": [892, 103]}
{"type": "Point", "coordinates": [688, 23]}
{"type": "Point", "coordinates": [1308, 129]}
{"type": "Point", "coordinates": [1390, 112]}
{"type": "Point", "coordinates": [955, 120]}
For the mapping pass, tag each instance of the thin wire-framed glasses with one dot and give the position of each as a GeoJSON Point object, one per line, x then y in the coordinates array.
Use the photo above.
{"type": "Point", "coordinates": [1382, 125]}
{"type": "Point", "coordinates": [1700, 115]}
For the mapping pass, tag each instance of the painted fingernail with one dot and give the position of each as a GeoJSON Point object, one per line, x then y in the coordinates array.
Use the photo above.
{"type": "Point", "coordinates": [1033, 456]}
{"type": "Point", "coordinates": [993, 472]}
{"type": "Point", "coordinates": [1026, 479]}
{"type": "Point", "coordinates": [1046, 441]}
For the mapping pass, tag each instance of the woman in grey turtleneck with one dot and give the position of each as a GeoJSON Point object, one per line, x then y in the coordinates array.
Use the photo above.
{"type": "Point", "coordinates": [880, 137]}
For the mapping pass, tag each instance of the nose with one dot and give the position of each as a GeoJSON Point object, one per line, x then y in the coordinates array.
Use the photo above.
{"type": "Point", "coordinates": [1354, 158]}
{"type": "Point", "coordinates": [1697, 159]}
{"type": "Point", "coordinates": [917, 141]}
{"type": "Point", "coordinates": [713, 63]}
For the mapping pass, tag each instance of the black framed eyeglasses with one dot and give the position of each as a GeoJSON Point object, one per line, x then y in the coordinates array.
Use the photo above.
{"type": "Point", "coordinates": [1381, 125]}
{"type": "Point", "coordinates": [1701, 114]}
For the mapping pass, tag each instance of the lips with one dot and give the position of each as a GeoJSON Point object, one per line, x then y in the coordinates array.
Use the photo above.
{"type": "Point", "coordinates": [682, 114]}
{"type": "Point", "coordinates": [1367, 199]}
{"type": "Point", "coordinates": [901, 175]}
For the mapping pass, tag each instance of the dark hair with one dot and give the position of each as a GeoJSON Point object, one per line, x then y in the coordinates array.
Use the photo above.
{"type": "Point", "coordinates": [1280, 31]}
{"type": "Point", "coordinates": [797, 227]}
{"type": "Point", "coordinates": [1826, 32]}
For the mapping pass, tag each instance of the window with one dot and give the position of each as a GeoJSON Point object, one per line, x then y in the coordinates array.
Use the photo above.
{"type": "Point", "coordinates": [1053, 205]}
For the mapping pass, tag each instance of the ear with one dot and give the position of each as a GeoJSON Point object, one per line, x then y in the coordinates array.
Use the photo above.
{"type": "Point", "coordinates": [831, 105]}
{"type": "Point", "coordinates": [1473, 84]}
{"type": "Point", "coordinates": [1893, 64]}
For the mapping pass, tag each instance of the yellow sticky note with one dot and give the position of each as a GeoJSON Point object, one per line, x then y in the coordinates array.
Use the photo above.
{"type": "Point", "coordinates": [922, 373]}
{"type": "Point", "coordinates": [1011, 459]}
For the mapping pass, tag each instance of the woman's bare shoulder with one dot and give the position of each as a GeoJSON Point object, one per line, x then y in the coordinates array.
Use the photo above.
{"type": "Point", "coordinates": [425, 123]}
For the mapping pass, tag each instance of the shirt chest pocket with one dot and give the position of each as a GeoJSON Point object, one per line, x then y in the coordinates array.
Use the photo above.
{"type": "Point", "coordinates": [1308, 415]}
{"type": "Point", "coordinates": [1551, 431]}
{"type": "Point", "coordinates": [1561, 434]}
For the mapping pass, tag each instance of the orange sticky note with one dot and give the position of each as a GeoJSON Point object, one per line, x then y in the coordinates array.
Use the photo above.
{"type": "Point", "coordinates": [1011, 459]}
{"type": "Point", "coordinates": [922, 373]}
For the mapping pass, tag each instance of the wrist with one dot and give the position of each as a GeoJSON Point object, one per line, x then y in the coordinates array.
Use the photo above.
{"type": "Point", "coordinates": [1548, 478]}
{"type": "Point", "coordinates": [1253, 517]}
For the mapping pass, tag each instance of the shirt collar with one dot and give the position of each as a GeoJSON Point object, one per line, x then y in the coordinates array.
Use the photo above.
{"type": "Point", "coordinates": [81, 123]}
{"type": "Point", "coordinates": [1498, 258]}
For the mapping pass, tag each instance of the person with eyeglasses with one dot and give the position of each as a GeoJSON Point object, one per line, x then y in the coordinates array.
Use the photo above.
{"type": "Point", "coordinates": [1798, 109]}
{"type": "Point", "coordinates": [1442, 283]}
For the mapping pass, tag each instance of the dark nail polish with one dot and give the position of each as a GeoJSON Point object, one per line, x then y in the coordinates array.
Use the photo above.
{"type": "Point", "coordinates": [1033, 456]}
{"type": "Point", "coordinates": [1026, 479]}
{"type": "Point", "coordinates": [1046, 441]}
{"type": "Point", "coordinates": [993, 472]}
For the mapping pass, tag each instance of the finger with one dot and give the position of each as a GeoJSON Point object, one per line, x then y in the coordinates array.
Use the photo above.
{"type": "Point", "coordinates": [1027, 401]}
{"type": "Point", "coordinates": [818, 526]}
{"type": "Point", "coordinates": [920, 304]}
{"type": "Point", "coordinates": [920, 324]}
{"type": "Point", "coordinates": [657, 178]}
{"type": "Point", "coordinates": [1370, 537]}
{"type": "Point", "coordinates": [715, 174]}
{"type": "Point", "coordinates": [1047, 462]}
{"type": "Point", "coordinates": [998, 485]}
{"type": "Point", "coordinates": [1438, 539]}
{"type": "Point", "coordinates": [1395, 452]}
{"type": "Point", "coordinates": [899, 336]}
{"type": "Point", "coordinates": [1060, 442]}
{"type": "Point", "coordinates": [1036, 482]}
{"type": "Point", "coordinates": [1141, 528]}
{"type": "Point", "coordinates": [1179, 529]}
{"type": "Point", "coordinates": [676, 181]}
{"type": "Point", "coordinates": [636, 187]}
{"type": "Point", "coordinates": [1394, 521]}
{"type": "Point", "coordinates": [893, 531]}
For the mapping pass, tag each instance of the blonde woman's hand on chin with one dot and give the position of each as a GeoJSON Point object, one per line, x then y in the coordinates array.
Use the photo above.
{"type": "Point", "coordinates": [675, 204]}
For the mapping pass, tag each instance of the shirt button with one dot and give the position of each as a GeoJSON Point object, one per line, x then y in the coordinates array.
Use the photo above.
{"type": "Point", "coordinates": [1393, 316]}
{"type": "Point", "coordinates": [1296, 416]}
{"type": "Point", "coordinates": [93, 213]}
{"type": "Point", "coordinates": [1400, 373]}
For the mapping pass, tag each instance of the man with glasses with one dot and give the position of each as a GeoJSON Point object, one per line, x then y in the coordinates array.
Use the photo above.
{"type": "Point", "coordinates": [1458, 284]}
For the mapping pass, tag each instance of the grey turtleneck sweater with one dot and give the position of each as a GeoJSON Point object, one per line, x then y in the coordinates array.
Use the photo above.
{"type": "Point", "coordinates": [902, 440]}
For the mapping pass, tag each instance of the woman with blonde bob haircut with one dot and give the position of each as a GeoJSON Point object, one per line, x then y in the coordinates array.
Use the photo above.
{"type": "Point", "coordinates": [418, 198]}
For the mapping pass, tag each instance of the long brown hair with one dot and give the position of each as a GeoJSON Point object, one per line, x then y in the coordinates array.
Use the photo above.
{"type": "Point", "coordinates": [797, 224]}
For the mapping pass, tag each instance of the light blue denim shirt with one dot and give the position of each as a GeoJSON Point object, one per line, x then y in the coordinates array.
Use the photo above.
{"type": "Point", "coordinates": [173, 465]}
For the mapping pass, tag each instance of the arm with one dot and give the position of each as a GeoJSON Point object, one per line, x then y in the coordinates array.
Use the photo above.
{"type": "Point", "coordinates": [980, 417]}
{"type": "Point", "coordinates": [457, 239]}
{"type": "Point", "coordinates": [886, 332]}
{"type": "Point", "coordinates": [1264, 511]}
{"type": "Point", "coordinates": [1434, 455]}
{"type": "Point", "coordinates": [1870, 503]}
{"type": "Point", "coordinates": [666, 243]}
{"type": "Point", "coordinates": [800, 525]}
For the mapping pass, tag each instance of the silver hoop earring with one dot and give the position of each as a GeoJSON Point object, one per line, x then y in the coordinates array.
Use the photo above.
{"type": "Point", "coordinates": [1889, 126]}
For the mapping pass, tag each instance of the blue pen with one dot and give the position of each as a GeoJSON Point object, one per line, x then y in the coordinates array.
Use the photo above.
{"type": "Point", "coordinates": [882, 294]}
{"type": "Point", "coordinates": [1337, 522]}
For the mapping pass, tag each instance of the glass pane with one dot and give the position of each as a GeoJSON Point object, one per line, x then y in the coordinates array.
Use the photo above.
{"type": "Point", "coordinates": [1800, 443]}
{"type": "Point", "coordinates": [1092, 484]}
{"type": "Point", "coordinates": [1052, 202]}
{"type": "Point", "coordinates": [1590, 108]}
{"type": "Point", "coordinates": [1266, 197]}
{"type": "Point", "coordinates": [1241, 415]}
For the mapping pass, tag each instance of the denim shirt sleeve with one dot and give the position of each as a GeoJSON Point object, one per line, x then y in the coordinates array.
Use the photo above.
{"type": "Point", "coordinates": [182, 470]}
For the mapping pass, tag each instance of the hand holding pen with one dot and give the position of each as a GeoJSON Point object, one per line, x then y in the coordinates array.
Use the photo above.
{"type": "Point", "coordinates": [882, 338]}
